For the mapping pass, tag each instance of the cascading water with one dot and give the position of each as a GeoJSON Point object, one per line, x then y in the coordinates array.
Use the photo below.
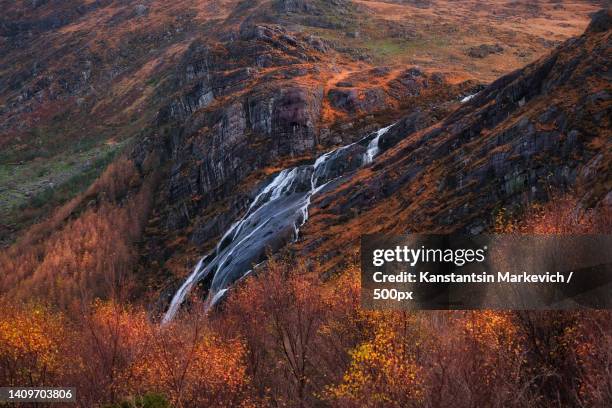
{"type": "Point", "coordinates": [273, 219]}
{"type": "Point", "coordinates": [468, 98]}
{"type": "Point", "coordinates": [373, 148]}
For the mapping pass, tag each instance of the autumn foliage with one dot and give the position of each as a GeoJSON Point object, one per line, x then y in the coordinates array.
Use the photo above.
{"type": "Point", "coordinates": [112, 353]}
{"type": "Point", "coordinates": [67, 258]}
{"type": "Point", "coordinates": [562, 215]}
{"type": "Point", "coordinates": [30, 341]}
{"type": "Point", "coordinates": [283, 337]}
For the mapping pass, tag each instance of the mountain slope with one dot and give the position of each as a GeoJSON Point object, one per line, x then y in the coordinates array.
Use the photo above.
{"type": "Point", "coordinates": [540, 129]}
{"type": "Point", "coordinates": [153, 155]}
{"type": "Point", "coordinates": [211, 100]}
{"type": "Point", "coordinates": [80, 80]}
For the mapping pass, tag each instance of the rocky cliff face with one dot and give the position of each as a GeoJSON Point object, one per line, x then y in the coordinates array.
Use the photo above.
{"type": "Point", "coordinates": [80, 80]}
{"type": "Point", "coordinates": [237, 111]}
{"type": "Point", "coordinates": [249, 104]}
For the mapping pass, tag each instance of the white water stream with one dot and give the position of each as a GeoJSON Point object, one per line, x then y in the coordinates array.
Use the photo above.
{"type": "Point", "coordinates": [468, 98]}
{"type": "Point", "coordinates": [273, 219]}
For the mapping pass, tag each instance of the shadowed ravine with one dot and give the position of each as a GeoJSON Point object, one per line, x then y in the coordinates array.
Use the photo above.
{"type": "Point", "coordinates": [273, 219]}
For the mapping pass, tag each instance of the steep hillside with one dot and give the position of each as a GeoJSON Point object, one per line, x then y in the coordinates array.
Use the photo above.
{"type": "Point", "coordinates": [539, 130]}
{"type": "Point", "coordinates": [80, 80]}
{"type": "Point", "coordinates": [198, 106]}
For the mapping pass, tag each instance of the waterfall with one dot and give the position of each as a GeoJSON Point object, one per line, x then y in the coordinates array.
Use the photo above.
{"type": "Point", "coordinates": [468, 98]}
{"type": "Point", "coordinates": [273, 218]}
{"type": "Point", "coordinates": [373, 148]}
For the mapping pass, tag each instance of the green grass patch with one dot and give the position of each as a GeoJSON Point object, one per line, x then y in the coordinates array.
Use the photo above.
{"type": "Point", "coordinates": [30, 191]}
{"type": "Point", "coordinates": [54, 196]}
{"type": "Point", "coordinates": [146, 401]}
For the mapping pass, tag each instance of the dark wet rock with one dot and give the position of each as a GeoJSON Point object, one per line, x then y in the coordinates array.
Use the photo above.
{"type": "Point", "coordinates": [355, 100]}
{"type": "Point", "coordinates": [272, 219]}
{"type": "Point", "coordinates": [438, 78]}
{"type": "Point", "coordinates": [228, 125]}
{"type": "Point", "coordinates": [141, 10]}
{"type": "Point", "coordinates": [380, 71]}
{"type": "Point", "coordinates": [200, 96]}
{"type": "Point", "coordinates": [295, 117]}
{"type": "Point", "coordinates": [484, 50]}
{"type": "Point", "coordinates": [317, 43]}
{"type": "Point", "coordinates": [208, 228]}
{"type": "Point", "coordinates": [410, 83]}
{"type": "Point", "coordinates": [600, 21]}
{"type": "Point", "coordinates": [213, 139]}
{"type": "Point", "coordinates": [266, 33]}
{"type": "Point", "coordinates": [240, 139]}
{"type": "Point", "coordinates": [405, 127]}
{"type": "Point", "coordinates": [607, 201]}
{"type": "Point", "coordinates": [207, 73]}
{"type": "Point", "coordinates": [413, 72]}
{"type": "Point", "coordinates": [344, 99]}
{"type": "Point", "coordinates": [345, 84]}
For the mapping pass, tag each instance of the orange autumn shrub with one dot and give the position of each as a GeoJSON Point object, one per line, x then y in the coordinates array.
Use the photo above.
{"type": "Point", "coordinates": [492, 365]}
{"type": "Point", "coordinates": [562, 215]}
{"type": "Point", "coordinates": [31, 345]}
{"type": "Point", "coordinates": [436, 359]}
{"type": "Point", "coordinates": [194, 368]}
{"type": "Point", "coordinates": [122, 355]}
{"type": "Point", "coordinates": [297, 330]}
{"type": "Point", "coordinates": [115, 182]}
{"type": "Point", "coordinates": [309, 343]}
{"type": "Point", "coordinates": [90, 257]}
{"type": "Point", "coordinates": [111, 339]}
{"type": "Point", "coordinates": [346, 327]}
{"type": "Point", "coordinates": [279, 313]}
{"type": "Point", "coordinates": [590, 342]}
{"type": "Point", "coordinates": [384, 371]}
{"type": "Point", "coordinates": [568, 353]}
